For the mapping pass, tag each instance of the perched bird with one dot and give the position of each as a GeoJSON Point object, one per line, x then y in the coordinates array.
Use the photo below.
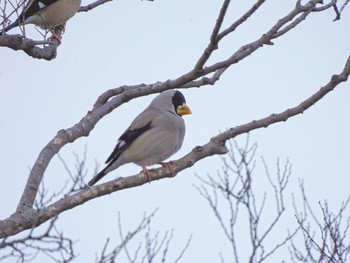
{"type": "Point", "coordinates": [153, 136]}
{"type": "Point", "coordinates": [46, 14]}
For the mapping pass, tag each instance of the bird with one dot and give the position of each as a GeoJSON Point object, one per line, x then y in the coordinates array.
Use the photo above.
{"type": "Point", "coordinates": [153, 136]}
{"type": "Point", "coordinates": [47, 14]}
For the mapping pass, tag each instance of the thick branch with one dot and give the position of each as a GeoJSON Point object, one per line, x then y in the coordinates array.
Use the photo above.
{"type": "Point", "coordinates": [29, 46]}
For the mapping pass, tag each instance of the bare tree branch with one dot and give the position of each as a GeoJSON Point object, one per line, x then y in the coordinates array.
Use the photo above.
{"type": "Point", "coordinates": [153, 247]}
{"type": "Point", "coordinates": [332, 244]}
{"type": "Point", "coordinates": [234, 188]}
{"type": "Point", "coordinates": [344, 5]}
{"type": "Point", "coordinates": [93, 5]}
{"type": "Point", "coordinates": [51, 242]}
{"type": "Point", "coordinates": [29, 46]}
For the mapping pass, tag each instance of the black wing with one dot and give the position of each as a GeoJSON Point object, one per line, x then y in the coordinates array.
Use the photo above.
{"type": "Point", "coordinates": [36, 6]}
{"type": "Point", "coordinates": [124, 141]}
{"type": "Point", "coordinates": [29, 10]}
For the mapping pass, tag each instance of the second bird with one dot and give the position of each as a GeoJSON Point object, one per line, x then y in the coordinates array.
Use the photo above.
{"type": "Point", "coordinates": [153, 136]}
{"type": "Point", "coordinates": [46, 14]}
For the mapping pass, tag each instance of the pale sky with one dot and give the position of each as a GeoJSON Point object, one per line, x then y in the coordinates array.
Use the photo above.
{"type": "Point", "coordinates": [132, 42]}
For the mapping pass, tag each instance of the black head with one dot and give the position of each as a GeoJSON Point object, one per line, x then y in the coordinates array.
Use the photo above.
{"type": "Point", "coordinates": [178, 100]}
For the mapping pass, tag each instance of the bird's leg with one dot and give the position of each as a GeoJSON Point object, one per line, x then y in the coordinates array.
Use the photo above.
{"type": "Point", "coordinates": [169, 165]}
{"type": "Point", "coordinates": [55, 36]}
{"type": "Point", "coordinates": [146, 172]}
{"type": "Point", "coordinates": [61, 29]}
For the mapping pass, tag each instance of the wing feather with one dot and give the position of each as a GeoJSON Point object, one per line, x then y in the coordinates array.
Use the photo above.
{"type": "Point", "coordinates": [35, 6]}
{"type": "Point", "coordinates": [124, 141]}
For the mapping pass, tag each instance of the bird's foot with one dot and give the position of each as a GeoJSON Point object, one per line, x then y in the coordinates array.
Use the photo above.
{"type": "Point", "coordinates": [146, 173]}
{"type": "Point", "coordinates": [169, 165]}
{"type": "Point", "coordinates": [55, 36]}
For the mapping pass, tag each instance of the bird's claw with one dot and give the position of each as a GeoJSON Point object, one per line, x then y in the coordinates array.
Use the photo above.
{"type": "Point", "coordinates": [169, 165]}
{"type": "Point", "coordinates": [55, 36]}
{"type": "Point", "coordinates": [146, 173]}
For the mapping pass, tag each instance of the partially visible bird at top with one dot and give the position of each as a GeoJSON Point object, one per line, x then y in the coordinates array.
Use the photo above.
{"type": "Point", "coordinates": [153, 136]}
{"type": "Point", "coordinates": [47, 14]}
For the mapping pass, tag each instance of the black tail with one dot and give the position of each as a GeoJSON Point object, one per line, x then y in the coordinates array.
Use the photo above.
{"type": "Point", "coordinates": [97, 178]}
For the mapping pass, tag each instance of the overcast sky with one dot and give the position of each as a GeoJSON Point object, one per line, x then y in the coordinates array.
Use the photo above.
{"type": "Point", "coordinates": [132, 42]}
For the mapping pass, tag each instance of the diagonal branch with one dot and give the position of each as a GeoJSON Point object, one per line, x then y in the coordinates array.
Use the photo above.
{"type": "Point", "coordinates": [213, 44]}
{"type": "Point", "coordinates": [241, 20]}
{"type": "Point", "coordinates": [93, 5]}
{"type": "Point", "coordinates": [285, 115]}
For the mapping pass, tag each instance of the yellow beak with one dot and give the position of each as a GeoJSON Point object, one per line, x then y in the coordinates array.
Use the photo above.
{"type": "Point", "coordinates": [183, 109]}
